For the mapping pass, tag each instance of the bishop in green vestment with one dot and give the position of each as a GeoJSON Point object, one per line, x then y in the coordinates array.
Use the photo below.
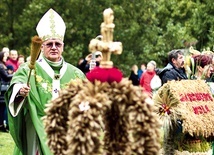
{"type": "Point", "coordinates": [26, 103]}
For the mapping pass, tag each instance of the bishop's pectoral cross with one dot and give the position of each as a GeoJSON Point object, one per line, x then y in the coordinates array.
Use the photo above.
{"type": "Point", "coordinates": [106, 44]}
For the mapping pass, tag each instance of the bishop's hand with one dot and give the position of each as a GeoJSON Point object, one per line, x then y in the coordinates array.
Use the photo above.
{"type": "Point", "coordinates": [24, 90]}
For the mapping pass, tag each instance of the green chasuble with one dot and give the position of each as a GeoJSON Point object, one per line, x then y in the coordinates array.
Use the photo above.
{"type": "Point", "coordinates": [26, 126]}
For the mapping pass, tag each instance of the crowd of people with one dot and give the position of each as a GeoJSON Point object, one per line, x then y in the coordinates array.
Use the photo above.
{"type": "Point", "coordinates": [199, 65]}
{"type": "Point", "coordinates": [10, 61]}
{"type": "Point", "coordinates": [146, 77]}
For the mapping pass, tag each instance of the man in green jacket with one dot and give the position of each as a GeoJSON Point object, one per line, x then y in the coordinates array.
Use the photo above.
{"type": "Point", "coordinates": [26, 103]}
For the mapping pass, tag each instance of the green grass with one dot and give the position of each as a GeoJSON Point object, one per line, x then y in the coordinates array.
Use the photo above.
{"type": "Point", "coordinates": [6, 144]}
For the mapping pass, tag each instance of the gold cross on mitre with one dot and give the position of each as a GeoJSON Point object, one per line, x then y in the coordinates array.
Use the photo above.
{"type": "Point", "coordinates": [106, 44]}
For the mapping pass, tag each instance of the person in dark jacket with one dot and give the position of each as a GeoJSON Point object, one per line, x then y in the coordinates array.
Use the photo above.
{"type": "Point", "coordinates": [5, 78]}
{"type": "Point", "coordinates": [84, 65]}
{"type": "Point", "coordinates": [175, 68]}
{"type": "Point", "coordinates": [134, 76]}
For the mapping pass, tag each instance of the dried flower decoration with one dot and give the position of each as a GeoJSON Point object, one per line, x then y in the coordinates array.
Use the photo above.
{"type": "Point", "coordinates": [84, 106]}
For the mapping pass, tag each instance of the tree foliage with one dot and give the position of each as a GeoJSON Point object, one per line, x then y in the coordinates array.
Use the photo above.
{"type": "Point", "coordinates": [147, 29]}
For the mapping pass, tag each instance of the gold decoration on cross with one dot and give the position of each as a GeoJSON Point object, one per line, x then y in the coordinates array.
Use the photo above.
{"type": "Point", "coordinates": [105, 44]}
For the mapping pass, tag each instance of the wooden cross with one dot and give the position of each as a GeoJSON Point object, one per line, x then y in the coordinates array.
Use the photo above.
{"type": "Point", "coordinates": [106, 44]}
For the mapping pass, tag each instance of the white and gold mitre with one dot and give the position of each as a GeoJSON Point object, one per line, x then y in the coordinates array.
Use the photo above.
{"type": "Point", "coordinates": [50, 26]}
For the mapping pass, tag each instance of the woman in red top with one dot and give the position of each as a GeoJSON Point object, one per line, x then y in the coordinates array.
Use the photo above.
{"type": "Point", "coordinates": [147, 76]}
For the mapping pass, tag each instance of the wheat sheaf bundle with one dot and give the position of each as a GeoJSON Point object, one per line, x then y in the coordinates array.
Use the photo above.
{"type": "Point", "coordinates": [185, 104]}
{"type": "Point", "coordinates": [197, 122]}
{"type": "Point", "coordinates": [85, 125]}
{"type": "Point", "coordinates": [56, 118]}
{"type": "Point", "coordinates": [116, 120]}
{"type": "Point", "coordinates": [36, 43]}
{"type": "Point", "coordinates": [177, 100]}
{"type": "Point", "coordinates": [166, 107]}
{"type": "Point", "coordinates": [103, 118]}
{"type": "Point", "coordinates": [131, 124]}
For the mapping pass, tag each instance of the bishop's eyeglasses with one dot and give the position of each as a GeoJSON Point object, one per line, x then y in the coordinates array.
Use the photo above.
{"type": "Point", "coordinates": [51, 44]}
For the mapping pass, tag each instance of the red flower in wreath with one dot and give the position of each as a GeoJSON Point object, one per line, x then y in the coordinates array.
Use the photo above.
{"type": "Point", "coordinates": [164, 109]}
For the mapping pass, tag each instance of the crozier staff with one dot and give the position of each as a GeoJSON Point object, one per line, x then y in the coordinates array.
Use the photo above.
{"type": "Point", "coordinates": [26, 103]}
